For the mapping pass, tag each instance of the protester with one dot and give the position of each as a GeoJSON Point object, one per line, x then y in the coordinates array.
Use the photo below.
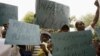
{"type": "Point", "coordinates": [80, 26]}
{"type": "Point", "coordinates": [46, 44]}
{"type": "Point", "coordinates": [64, 28]}
{"type": "Point", "coordinates": [5, 26]}
{"type": "Point", "coordinates": [26, 50]}
{"type": "Point", "coordinates": [2, 34]}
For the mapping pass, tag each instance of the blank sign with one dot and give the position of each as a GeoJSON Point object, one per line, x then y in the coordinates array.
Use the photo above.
{"type": "Point", "coordinates": [20, 33]}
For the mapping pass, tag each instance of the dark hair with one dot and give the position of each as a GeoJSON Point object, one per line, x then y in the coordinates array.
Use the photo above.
{"type": "Point", "coordinates": [65, 27]}
{"type": "Point", "coordinates": [5, 30]}
{"type": "Point", "coordinates": [34, 15]}
{"type": "Point", "coordinates": [76, 24]}
{"type": "Point", "coordinates": [6, 26]}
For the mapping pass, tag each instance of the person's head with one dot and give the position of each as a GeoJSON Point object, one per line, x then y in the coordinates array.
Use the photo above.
{"type": "Point", "coordinates": [64, 28]}
{"type": "Point", "coordinates": [45, 36]}
{"type": "Point", "coordinates": [6, 26]}
{"type": "Point", "coordinates": [34, 15]}
{"type": "Point", "coordinates": [80, 26]}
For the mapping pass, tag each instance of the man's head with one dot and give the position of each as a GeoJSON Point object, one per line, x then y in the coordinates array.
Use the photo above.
{"type": "Point", "coordinates": [5, 26]}
{"type": "Point", "coordinates": [45, 36]}
{"type": "Point", "coordinates": [64, 28]}
{"type": "Point", "coordinates": [80, 26]}
{"type": "Point", "coordinates": [5, 29]}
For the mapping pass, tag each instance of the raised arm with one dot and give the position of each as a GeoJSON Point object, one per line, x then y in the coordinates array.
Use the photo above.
{"type": "Point", "coordinates": [96, 18]}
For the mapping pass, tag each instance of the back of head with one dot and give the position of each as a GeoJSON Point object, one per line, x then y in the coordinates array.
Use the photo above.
{"type": "Point", "coordinates": [64, 28]}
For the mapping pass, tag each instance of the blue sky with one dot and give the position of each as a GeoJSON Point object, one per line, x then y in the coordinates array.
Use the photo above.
{"type": "Point", "coordinates": [77, 7]}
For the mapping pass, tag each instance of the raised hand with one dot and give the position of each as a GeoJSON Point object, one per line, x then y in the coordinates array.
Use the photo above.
{"type": "Point", "coordinates": [96, 3]}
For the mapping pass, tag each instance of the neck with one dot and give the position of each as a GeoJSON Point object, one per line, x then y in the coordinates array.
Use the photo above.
{"type": "Point", "coordinates": [80, 29]}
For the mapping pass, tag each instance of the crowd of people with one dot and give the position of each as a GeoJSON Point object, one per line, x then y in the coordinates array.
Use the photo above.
{"type": "Point", "coordinates": [45, 47]}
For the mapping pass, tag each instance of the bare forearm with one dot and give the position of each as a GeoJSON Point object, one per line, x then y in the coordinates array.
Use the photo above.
{"type": "Point", "coordinates": [96, 18]}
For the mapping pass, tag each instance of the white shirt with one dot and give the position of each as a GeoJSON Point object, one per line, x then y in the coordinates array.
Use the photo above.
{"type": "Point", "coordinates": [90, 28]}
{"type": "Point", "coordinates": [2, 41]}
{"type": "Point", "coordinates": [87, 28]}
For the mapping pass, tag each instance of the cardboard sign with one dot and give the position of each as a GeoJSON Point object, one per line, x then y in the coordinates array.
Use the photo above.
{"type": "Point", "coordinates": [20, 33]}
{"type": "Point", "coordinates": [7, 12]}
{"type": "Point", "coordinates": [50, 14]}
{"type": "Point", "coordinates": [73, 44]}
{"type": "Point", "coordinates": [97, 33]}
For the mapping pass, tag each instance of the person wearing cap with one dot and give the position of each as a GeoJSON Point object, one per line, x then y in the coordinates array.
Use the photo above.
{"type": "Point", "coordinates": [45, 36]}
{"type": "Point", "coordinates": [46, 44]}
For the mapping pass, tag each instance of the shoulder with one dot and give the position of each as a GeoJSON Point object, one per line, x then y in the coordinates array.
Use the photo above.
{"type": "Point", "coordinates": [89, 27]}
